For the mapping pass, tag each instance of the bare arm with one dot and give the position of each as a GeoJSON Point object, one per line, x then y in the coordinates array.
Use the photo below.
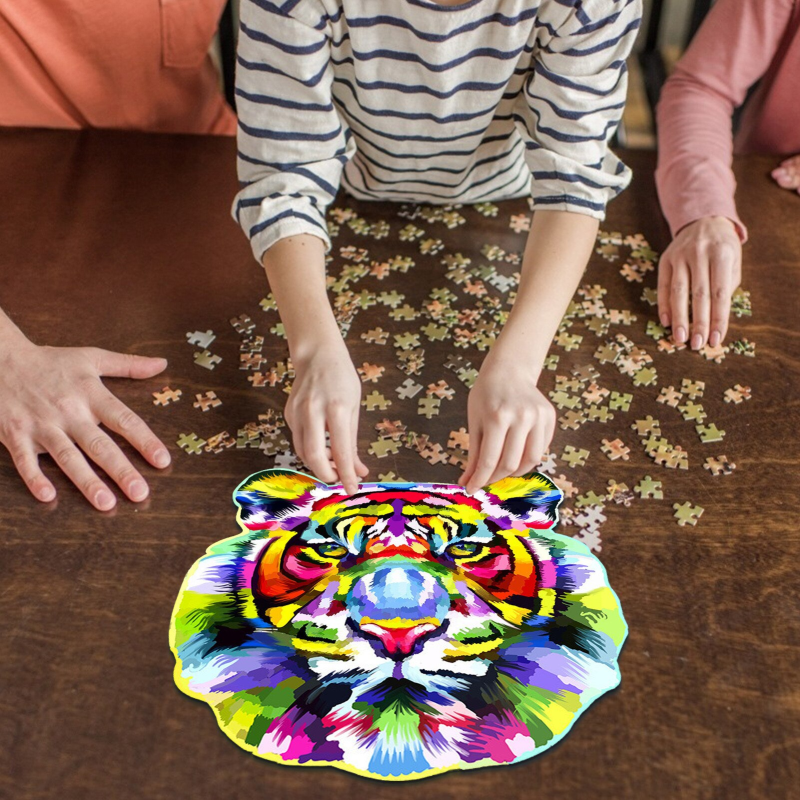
{"type": "Point", "coordinates": [326, 393]}
{"type": "Point", "coordinates": [511, 422]}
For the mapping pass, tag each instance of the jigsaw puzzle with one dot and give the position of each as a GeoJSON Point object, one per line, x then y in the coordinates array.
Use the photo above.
{"type": "Point", "coordinates": [401, 632]}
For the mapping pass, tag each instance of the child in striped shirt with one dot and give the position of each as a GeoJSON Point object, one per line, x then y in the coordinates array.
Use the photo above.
{"type": "Point", "coordinates": [434, 102]}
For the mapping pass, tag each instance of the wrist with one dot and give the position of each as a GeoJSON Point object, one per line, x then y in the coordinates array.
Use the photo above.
{"type": "Point", "coordinates": [507, 357]}
{"type": "Point", "coordinates": [319, 344]}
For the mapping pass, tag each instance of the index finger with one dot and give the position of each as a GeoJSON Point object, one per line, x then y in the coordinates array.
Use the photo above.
{"type": "Point", "coordinates": [486, 459]}
{"type": "Point", "coordinates": [342, 449]}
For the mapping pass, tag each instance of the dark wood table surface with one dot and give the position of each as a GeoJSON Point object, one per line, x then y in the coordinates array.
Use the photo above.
{"type": "Point", "coordinates": [125, 242]}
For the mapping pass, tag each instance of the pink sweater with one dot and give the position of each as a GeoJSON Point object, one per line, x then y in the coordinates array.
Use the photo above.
{"type": "Point", "coordinates": [740, 42]}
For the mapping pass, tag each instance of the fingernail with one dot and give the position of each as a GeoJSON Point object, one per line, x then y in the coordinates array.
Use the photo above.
{"type": "Point", "coordinates": [680, 334]}
{"type": "Point", "coordinates": [713, 340]}
{"type": "Point", "coordinates": [697, 340]}
{"type": "Point", "coordinates": [104, 499]}
{"type": "Point", "coordinates": [138, 490]}
{"type": "Point", "coordinates": [665, 320]}
{"type": "Point", "coordinates": [47, 494]}
{"type": "Point", "coordinates": [161, 458]}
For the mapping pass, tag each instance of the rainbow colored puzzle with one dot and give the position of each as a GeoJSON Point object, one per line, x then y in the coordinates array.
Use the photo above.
{"type": "Point", "coordinates": [400, 632]}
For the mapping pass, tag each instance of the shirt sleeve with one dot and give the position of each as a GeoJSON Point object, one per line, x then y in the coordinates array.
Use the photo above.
{"type": "Point", "coordinates": [292, 142]}
{"type": "Point", "coordinates": [572, 103]}
{"type": "Point", "coordinates": [731, 51]}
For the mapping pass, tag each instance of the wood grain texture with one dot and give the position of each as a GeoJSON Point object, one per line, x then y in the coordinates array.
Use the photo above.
{"type": "Point", "coordinates": [125, 241]}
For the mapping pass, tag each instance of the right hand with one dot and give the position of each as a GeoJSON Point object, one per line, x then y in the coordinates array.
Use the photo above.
{"type": "Point", "coordinates": [704, 259]}
{"type": "Point", "coordinates": [326, 395]}
{"type": "Point", "coordinates": [53, 401]}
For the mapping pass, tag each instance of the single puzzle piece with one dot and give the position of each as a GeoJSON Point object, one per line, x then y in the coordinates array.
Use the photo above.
{"type": "Point", "coordinates": [591, 538]}
{"type": "Point", "coordinates": [370, 372]}
{"type": "Point", "coordinates": [687, 514]}
{"type": "Point", "coordinates": [715, 354]}
{"type": "Point", "coordinates": [692, 389]}
{"type": "Point", "coordinates": [166, 396]}
{"type": "Point", "coordinates": [719, 465]}
{"type": "Point", "coordinates": [646, 426]}
{"type": "Point", "coordinates": [459, 439]}
{"type": "Point", "coordinates": [738, 394]}
{"type": "Point", "coordinates": [620, 401]}
{"type": "Point", "coordinates": [574, 457]}
{"type": "Point", "coordinates": [647, 488]}
{"type": "Point", "coordinates": [376, 336]}
{"type": "Point", "coordinates": [692, 412]}
{"type": "Point", "coordinates": [429, 406]}
{"type": "Point", "coordinates": [375, 400]}
{"type": "Point", "coordinates": [709, 433]}
{"type": "Point", "coordinates": [206, 359]}
{"type": "Point", "coordinates": [669, 396]}
{"type": "Point", "coordinates": [408, 389]}
{"type": "Point", "coordinates": [384, 447]}
{"type": "Point", "coordinates": [191, 443]}
{"type": "Point", "coordinates": [201, 338]}
{"type": "Point", "coordinates": [589, 499]}
{"type": "Point", "coordinates": [242, 324]}
{"type": "Point", "coordinates": [207, 401]}
{"type": "Point", "coordinates": [616, 449]}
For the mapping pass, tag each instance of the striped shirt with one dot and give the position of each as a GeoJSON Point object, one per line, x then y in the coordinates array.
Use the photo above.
{"type": "Point", "coordinates": [412, 101]}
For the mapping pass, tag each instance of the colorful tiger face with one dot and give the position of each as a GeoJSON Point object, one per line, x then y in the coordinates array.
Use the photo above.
{"type": "Point", "coordinates": [403, 631]}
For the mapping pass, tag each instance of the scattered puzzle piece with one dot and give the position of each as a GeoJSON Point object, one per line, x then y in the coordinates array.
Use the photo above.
{"type": "Point", "coordinates": [207, 401]}
{"type": "Point", "coordinates": [687, 514]}
{"type": "Point", "coordinates": [166, 396]}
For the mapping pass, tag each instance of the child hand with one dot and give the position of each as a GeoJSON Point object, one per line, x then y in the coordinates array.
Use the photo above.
{"type": "Point", "coordinates": [787, 175]}
{"type": "Point", "coordinates": [53, 401]}
{"type": "Point", "coordinates": [511, 423]}
{"type": "Point", "coordinates": [705, 258]}
{"type": "Point", "coordinates": [326, 394]}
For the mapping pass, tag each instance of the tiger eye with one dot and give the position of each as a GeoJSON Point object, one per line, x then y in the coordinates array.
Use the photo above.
{"type": "Point", "coordinates": [462, 549]}
{"type": "Point", "coordinates": [331, 549]}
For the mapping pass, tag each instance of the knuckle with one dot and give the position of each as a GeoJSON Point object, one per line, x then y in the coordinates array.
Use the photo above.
{"type": "Point", "coordinates": [98, 445]}
{"type": "Point", "coordinates": [66, 404]}
{"type": "Point", "coordinates": [700, 291]}
{"type": "Point", "coordinates": [65, 455]}
{"type": "Point", "coordinates": [127, 420]}
{"type": "Point", "coordinates": [13, 427]}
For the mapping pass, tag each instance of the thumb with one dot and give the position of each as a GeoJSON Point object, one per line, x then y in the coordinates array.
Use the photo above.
{"type": "Point", "coordinates": [126, 365]}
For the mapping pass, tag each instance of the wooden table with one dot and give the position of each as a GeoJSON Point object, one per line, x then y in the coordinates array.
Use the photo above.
{"type": "Point", "coordinates": [125, 242]}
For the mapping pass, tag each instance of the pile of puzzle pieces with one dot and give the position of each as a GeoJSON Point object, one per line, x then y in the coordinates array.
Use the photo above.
{"type": "Point", "coordinates": [468, 302]}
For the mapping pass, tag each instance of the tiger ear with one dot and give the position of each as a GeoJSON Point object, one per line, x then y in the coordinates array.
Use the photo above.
{"type": "Point", "coordinates": [269, 494]}
{"type": "Point", "coordinates": [531, 498]}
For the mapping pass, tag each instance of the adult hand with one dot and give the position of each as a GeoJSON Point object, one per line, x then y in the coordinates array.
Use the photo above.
{"type": "Point", "coordinates": [53, 401]}
{"type": "Point", "coordinates": [703, 261]}
{"type": "Point", "coordinates": [511, 423]}
{"type": "Point", "coordinates": [326, 395]}
{"type": "Point", "coordinates": [787, 175]}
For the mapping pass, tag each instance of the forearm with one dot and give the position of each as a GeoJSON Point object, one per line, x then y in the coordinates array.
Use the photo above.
{"type": "Point", "coordinates": [295, 268]}
{"type": "Point", "coordinates": [694, 176]}
{"type": "Point", "coordinates": [558, 248]}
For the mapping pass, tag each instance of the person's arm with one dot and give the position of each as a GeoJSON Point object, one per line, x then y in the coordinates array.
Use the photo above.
{"type": "Point", "coordinates": [53, 401]}
{"type": "Point", "coordinates": [293, 145]}
{"type": "Point", "coordinates": [570, 107]}
{"type": "Point", "coordinates": [695, 182]}
{"type": "Point", "coordinates": [326, 392]}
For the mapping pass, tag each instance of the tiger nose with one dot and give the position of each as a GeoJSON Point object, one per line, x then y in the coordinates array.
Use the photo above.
{"type": "Point", "coordinates": [398, 635]}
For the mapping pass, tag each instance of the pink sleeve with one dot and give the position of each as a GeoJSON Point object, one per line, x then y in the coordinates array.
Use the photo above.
{"type": "Point", "coordinates": [731, 51]}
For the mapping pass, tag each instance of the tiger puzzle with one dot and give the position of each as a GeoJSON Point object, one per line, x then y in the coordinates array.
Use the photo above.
{"type": "Point", "coordinates": [399, 632]}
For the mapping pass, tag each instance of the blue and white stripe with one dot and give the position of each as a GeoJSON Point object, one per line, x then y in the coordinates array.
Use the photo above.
{"type": "Point", "coordinates": [411, 101]}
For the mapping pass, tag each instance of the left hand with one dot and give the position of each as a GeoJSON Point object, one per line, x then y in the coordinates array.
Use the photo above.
{"type": "Point", "coordinates": [787, 175]}
{"type": "Point", "coordinates": [511, 423]}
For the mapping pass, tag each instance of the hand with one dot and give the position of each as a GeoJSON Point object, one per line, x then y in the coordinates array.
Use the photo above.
{"type": "Point", "coordinates": [706, 259]}
{"type": "Point", "coordinates": [53, 401]}
{"type": "Point", "coordinates": [511, 423]}
{"type": "Point", "coordinates": [787, 175]}
{"type": "Point", "coordinates": [326, 395]}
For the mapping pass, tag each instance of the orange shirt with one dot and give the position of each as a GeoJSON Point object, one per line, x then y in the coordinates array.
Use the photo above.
{"type": "Point", "coordinates": [134, 64]}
